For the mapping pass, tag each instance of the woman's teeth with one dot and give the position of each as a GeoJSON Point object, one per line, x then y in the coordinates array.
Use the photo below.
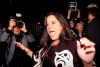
{"type": "Point", "coordinates": [52, 33]}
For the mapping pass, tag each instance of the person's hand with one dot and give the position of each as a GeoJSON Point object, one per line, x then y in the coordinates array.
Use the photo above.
{"type": "Point", "coordinates": [69, 11]}
{"type": "Point", "coordinates": [23, 28]}
{"type": "Point", "coordinates": [20, 45]}
{"type": "Point", "coordinates": [11, 24]}
{"type": "Point", "coordinates": [86, 50]}
{"type": "Point", "coordinates": [27, 50]}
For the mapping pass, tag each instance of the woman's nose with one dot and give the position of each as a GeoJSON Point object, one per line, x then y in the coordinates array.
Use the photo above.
{"type": "Point", "coordinates": [49, 26]}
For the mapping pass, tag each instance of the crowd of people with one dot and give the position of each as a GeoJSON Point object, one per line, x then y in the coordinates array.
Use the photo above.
{"type": "Point", "coordinates": [66, 42]}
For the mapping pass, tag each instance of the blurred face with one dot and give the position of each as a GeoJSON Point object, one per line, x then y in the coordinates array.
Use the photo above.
{"type": "Point", "coordinates": [16, 30]}
{"type": "Point", "coordinates": [79, 26]}
{"type": "Point", "coordinates": [90, 17]}
{"type": "Point", "coordinates": [54, 27]}
{"type": "Point", "coordinates": [71, 24]}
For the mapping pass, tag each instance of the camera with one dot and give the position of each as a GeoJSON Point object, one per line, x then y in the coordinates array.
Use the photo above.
{"type": "Point", "coordinates": [19, 23]}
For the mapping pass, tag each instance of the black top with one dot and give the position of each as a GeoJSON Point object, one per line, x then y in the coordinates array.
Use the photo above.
{"type": "Point", "coordinates": [62, 55]}
{"type": "Point", "coordinates": [93, 33]}
{"type": "Point", "coordinates": [20, 58]}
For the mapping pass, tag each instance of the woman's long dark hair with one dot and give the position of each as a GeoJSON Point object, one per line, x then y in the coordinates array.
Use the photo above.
{"type": "Point", "coordinates": [65, 34]}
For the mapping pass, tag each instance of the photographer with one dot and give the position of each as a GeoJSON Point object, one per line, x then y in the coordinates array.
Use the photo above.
{"type": "Point", "coordinates": [14, 56]}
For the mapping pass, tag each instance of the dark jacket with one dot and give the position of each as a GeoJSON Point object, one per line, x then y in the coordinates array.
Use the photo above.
{"type": "Point", "coordinates": [9, 38]}
{"type": "Point", "coordinates": [93, 33]}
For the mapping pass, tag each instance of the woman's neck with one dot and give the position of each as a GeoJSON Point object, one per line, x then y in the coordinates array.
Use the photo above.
{"type": "Point", "coordinates": [54, 43]}
{"type": "Point", "coordinates": [80, 31]}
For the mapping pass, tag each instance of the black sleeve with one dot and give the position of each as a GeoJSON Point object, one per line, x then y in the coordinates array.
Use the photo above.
{"type": "Point", "coordinates": [9, 31]}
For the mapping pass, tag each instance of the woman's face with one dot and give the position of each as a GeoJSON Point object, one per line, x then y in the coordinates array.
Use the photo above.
{"type": "Point", "coordinates": [71, 24]}
{"type": "Point", "coordinates": [79, 26]}
{"type": "Point", "coordinates": [54, 27]}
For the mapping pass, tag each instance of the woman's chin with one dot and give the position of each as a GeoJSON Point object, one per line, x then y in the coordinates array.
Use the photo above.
{"type": "Point", "coordinates": [54, 39]}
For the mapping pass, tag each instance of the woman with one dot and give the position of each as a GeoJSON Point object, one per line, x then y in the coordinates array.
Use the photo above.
{"type": "Point", "coordinates": [59, 50]}
{"type": "Point", "coordinates": [80, 29]}
{"type": "Point", "coordinates": [72, 21]}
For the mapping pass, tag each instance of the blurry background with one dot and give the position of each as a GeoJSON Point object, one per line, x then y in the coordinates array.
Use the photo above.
{"type": "Point", "coordinates": [33, 11]}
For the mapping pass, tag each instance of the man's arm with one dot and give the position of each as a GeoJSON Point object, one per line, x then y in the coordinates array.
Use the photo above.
{"type": "Point", "coordinates": [5, 35]}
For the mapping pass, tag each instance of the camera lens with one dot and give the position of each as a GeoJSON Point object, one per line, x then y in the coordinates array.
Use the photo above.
{"type": "Point", "coordinates": [19, 23]}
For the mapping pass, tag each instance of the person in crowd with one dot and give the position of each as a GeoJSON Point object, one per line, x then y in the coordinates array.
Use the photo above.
{"type": "Point", "coordinates": [59, 49]}
{"type": "Point", "coordinates": [93, 31]}
{"type": "Point", "coordinates": [1, 29]}
{"type": "Point", "coordinates": [1, 32]}
{"type": "Point", "coordinates": [69, 16]}
{"type": "Point", "coordinates": [13, 55]}
{"type": "Point", "coordinates": [80, 29]}
{"type": "Point", "coordinates": [72, 21]}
